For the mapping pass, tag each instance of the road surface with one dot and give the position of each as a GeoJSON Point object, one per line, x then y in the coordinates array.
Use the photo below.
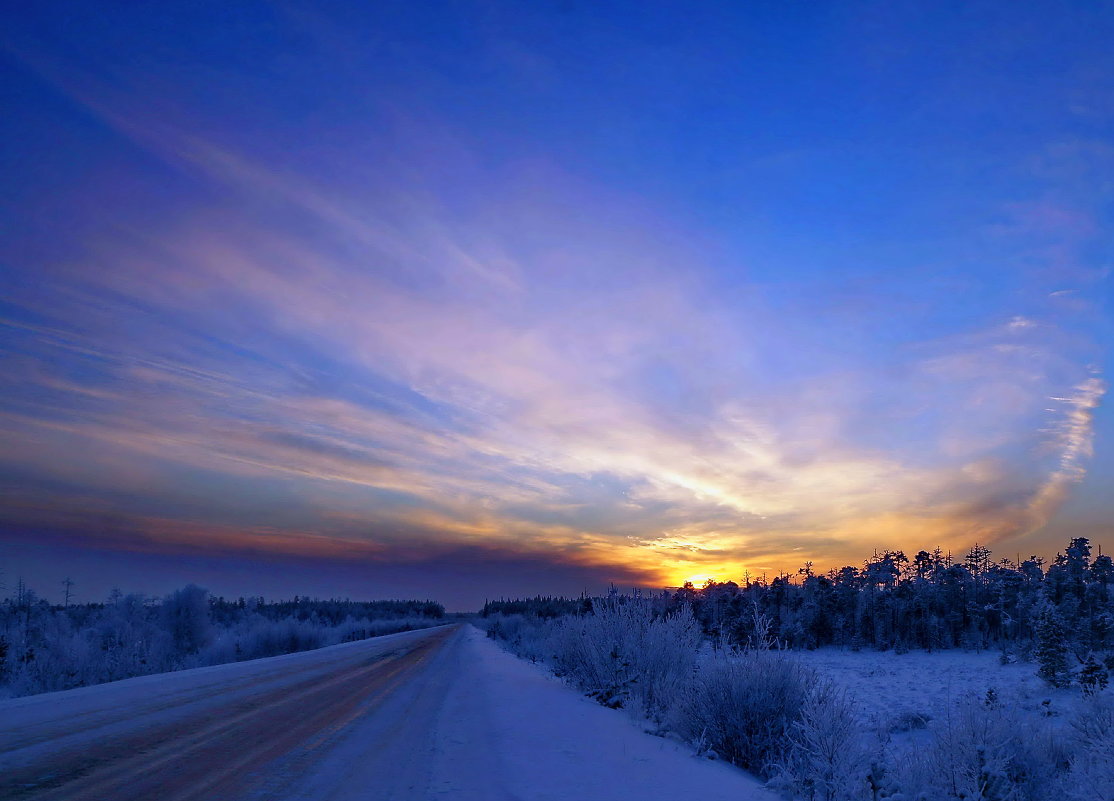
{"type": "Point", "coordinates": [436, 714]}
{"type": "Point", "coordinates": [177, 739]}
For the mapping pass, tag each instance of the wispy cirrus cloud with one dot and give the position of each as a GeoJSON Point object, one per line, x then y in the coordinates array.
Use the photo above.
{"type": "Point", "coordinates": [422, 420]}
{"type": "Point", "coordinates": [524, 363]}
{"type": "Point", "coordinates": [1072, 439]}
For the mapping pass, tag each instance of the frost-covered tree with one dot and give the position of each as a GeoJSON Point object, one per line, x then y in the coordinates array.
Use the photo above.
{"type": "Point", "coordinates": [1052, 647]}
{"type": "Point", "coordinates": [1092, 676]}
{"type": "Point", "coordinates": [185, 614]}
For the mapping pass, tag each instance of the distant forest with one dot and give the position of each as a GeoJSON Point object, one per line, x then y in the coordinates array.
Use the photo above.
{"type": "Point", "coordinates": [929, 602]}
{"type": "Point", "coordinates": [45, 647]}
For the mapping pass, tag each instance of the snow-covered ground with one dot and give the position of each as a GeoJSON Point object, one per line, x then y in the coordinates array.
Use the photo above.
{"type": "Point", "coordinates": [423, 715]}
{"type": "Point", "coordinates": [557, 744]}
{"type": "Point", "coordinates": [896, 692]}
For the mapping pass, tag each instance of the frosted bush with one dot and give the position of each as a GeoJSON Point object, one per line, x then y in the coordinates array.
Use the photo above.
{"type": "Point", "coordinates": [623, 654]}
{"type": "Point", "coordinates": [527, 637]}
{"type": "Point", "coordinates": [258, 636]}
{"type": "Point", "coordinates": [988, 753]}
{"type": "Point", "coordinates": [351, 629]}
{"type": "Point", "coordinates": [1091, 773]}
{"type": "Point", "coordinates": [743, 706]}
{"type": "Point", "coordinates": [827, 757]}
{"type": "Point", "coordinates": [44, 648]}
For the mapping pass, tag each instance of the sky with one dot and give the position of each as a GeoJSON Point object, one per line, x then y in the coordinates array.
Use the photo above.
{"type": "Point", "coordinates": [470, 300]}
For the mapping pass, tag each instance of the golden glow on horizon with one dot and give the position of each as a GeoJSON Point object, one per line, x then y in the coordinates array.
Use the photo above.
{"type": "Point", "coordinates": [699, 580]}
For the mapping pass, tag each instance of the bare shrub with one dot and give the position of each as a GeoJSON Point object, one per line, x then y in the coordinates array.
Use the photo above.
{"type": "Point", "coordinates": [908, 721]}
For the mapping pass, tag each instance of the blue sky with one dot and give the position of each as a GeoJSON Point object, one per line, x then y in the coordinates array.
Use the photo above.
{"type": "Point", "coordinates": [473, 299]}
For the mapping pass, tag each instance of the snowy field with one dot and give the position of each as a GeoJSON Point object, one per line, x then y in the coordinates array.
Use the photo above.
{"type": "Point", "coordinates": [893, 691]}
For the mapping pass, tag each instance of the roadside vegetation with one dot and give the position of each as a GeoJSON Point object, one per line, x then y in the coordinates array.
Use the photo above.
{"type": "Point", "coordinates": [45, 647]}
{"type": "Point", "coordinates": [717, 667]}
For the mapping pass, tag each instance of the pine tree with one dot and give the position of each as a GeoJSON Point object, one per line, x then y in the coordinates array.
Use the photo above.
{"type": "Point", "coordinates": [1093, 676]}
{"type": "Point", "coordinates": [1052, 648]}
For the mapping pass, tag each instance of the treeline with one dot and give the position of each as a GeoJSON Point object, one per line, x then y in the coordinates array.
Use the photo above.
{"type": "Point", "coordinates": [45, 647]}
{"type": "Point", "coordinates": [544, 607]}
{"type": "Point", "coordinates": [931, 601]}
{"type": "Point", "coordinates": [331, 611]}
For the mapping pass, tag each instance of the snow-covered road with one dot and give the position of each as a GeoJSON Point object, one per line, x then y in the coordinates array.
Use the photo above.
{"type": "Point", "coordinates": [434, 714]}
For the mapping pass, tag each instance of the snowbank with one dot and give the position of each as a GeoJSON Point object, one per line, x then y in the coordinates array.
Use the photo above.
{"type": "Point", "coordinates": [552, 744]}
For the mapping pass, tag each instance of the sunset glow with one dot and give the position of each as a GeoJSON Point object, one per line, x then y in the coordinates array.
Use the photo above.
{"type": "Point", "coordinates": [390, 304]}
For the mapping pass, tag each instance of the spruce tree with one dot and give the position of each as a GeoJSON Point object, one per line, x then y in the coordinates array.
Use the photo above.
{"type": "Point", "coordinates": [1093, 676]}
{"type": "Point", "coordinates": [1052, 648]}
